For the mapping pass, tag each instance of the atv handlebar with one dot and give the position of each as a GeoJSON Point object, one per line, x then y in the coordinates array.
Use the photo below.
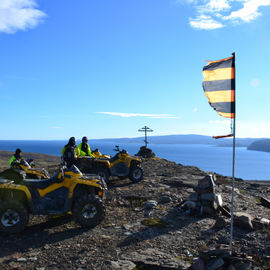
{"type": "Point", "coordinates": [123, 151]}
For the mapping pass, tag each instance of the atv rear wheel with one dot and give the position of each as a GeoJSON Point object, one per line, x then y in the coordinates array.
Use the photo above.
{"type": "Point", "coordinates": [88, 211]}
{"type": "Point", "coordinates": [136, 174]}
{"type": "Point", "coordinates": [13, 217]}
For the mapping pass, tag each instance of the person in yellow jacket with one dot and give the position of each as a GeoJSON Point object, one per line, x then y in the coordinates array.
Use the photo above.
{"type": "Point", "coordinates": [84, 148]}
{"type": "Point", "coordinates": [70, 152]}
{"type": "Point", "coordinates": [16, 158]}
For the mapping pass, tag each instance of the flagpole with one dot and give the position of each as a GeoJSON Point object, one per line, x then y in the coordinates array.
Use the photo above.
{"type": "Point", "coordinates": [233, 164]}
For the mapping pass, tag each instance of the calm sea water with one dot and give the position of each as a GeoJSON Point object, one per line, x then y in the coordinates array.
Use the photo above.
{"type": "Point", "coordinates": [250, 165]}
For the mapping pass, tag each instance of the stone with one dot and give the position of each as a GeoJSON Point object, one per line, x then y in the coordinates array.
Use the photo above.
{"type": "Point", "coordinates": [156, 259]}
{"type": "Point", "coordinates": [208, 210]}
{"type": "Point", "coordinates": [206, 182]}
{"type": "Point", "coordinates": [21, 259]}
{"type": "Point", "coordinates": [190, 205]}
{"type": "Point", "coordinates": [220, 223]}
{"type": "Point", "coordinates": [165, 199]}
{"type": "Point", "coordinates": [243, 220]}
{"type": "Point", "coordinates": [193, 197]}
{"type": "Point", "coordinates": [208, 196]}
{"type": "Point", "coordinates": [150, 204]}
{"type": "Point", "coordinates": [120, 265]}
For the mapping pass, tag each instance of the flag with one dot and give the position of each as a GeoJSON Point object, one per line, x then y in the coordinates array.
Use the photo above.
{"type": "Point", "coordinates": [219, 86]}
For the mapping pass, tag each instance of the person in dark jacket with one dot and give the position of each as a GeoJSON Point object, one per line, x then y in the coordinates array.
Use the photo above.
{"type": "Point", "coordinates": [84, 148]}
{"type": "Point", "coordinates": [16, 158]}
{"type": "Point", "coordinates": [70, 152]}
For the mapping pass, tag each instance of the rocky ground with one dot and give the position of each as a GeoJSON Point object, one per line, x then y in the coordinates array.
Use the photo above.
{"type": "Point", "coordinates": [146, 227]}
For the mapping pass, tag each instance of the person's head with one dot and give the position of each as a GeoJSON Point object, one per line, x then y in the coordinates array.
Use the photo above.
{"type": "Point", "coordinates": [18, 152]}
{"type": "Point", "coordinates": [84, 139]}
{"type": "Point", "coordinates": [72, 141]}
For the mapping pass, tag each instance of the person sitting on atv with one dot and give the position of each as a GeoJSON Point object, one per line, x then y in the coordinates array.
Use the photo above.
{"type": "Point", "coordinates": [70, 152]}
{"type": "Point", "coordinates": [84, 148]}
{"type": "Point", "coordinates": [16, 158]}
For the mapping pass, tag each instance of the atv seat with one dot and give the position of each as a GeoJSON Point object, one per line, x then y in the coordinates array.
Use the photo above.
{"type": "Point", "coordinates": [41, 184]}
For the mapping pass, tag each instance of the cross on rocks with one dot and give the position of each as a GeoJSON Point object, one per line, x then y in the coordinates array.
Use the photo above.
{"type": "Point", "coordinates": [146, 129]}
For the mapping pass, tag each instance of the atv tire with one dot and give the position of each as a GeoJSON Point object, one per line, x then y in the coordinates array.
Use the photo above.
{"type": "Point", "coordinates": [136, 174]}
{"type": "Point", "coordinates": [13, 217]}
{"type": "Point", "coordinates": [88, 211]}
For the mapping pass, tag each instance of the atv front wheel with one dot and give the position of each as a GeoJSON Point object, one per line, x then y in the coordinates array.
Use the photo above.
{"type": "Point", "coordinates": [13, 217]}
{"type": "Point", "coordinates": [88, 211]}
{"type": "Point", "coordinates": [136, 173]}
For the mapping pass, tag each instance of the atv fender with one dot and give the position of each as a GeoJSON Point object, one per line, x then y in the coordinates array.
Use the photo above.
{"type": "Point", "coordinates": [104, 162]}
{"type": "Point", "coordinates": [11, 192]}
{"type": "Point", "coordinates": [13, 189]}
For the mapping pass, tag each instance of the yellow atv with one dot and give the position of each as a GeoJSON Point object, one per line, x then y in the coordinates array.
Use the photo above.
{"type": "Point", "coordinates": [24, 169]}
{"type": "Point", "coordinates": [67, 191]}
{"type": "Point", "coordinates": [122, 165]}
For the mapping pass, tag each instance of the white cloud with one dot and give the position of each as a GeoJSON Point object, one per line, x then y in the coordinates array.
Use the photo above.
{"type": "Point", "coordinates": [213, 14]}
{"type": "Point", "coordinates": [249, 11]}
{"type": "Point", "coordinates": [205, 22]}
{"type": "Point", "coordinates": [18, 15]}
{"type": "Point", "coordinates": [195, 110]}
{"type": "Point", "coordinates": [218, 5]}
{"type": "Point", "coordinates": [152, 116]}
{"type": "Point", "coordinates": [255, 82]}
{"type": "Point", "coordinates": [56, 127]}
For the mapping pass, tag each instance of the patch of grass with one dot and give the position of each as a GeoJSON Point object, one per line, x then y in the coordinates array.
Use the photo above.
{"type": "Point", "coordinates": [154, 222]}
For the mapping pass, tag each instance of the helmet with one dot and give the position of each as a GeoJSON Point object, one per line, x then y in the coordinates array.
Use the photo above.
{"type": "Point", "coordinates": [72, 141]}
{"type": "Point", "coordinates": [18, 151]}
{"type": "Point", "coordinates": [84, 139]}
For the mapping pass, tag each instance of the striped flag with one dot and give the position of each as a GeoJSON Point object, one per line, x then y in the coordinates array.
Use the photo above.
{"type": "Point", "coordinates": [219, 86]}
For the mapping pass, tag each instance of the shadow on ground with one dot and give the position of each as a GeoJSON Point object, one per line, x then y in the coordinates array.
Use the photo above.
{"type": "Point", "coordinates": [38, 235]}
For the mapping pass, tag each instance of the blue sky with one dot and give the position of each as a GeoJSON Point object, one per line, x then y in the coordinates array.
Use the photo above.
{"type": "Point", "coordinates": [106, 68]}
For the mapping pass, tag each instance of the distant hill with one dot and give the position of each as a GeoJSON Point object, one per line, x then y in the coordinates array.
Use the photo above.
{"type": "Point", "coordinates": [183, 139]}
{"type": "Point", "coordinates": [260, 145]}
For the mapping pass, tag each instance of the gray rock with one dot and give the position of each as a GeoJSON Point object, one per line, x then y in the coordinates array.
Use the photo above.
{"type": "Point", "coordinates": [165, 199]}
{"type": "Point", "coordinates": [150, 204]}
{"type": "Point", "coordinates": [154, 257]}
{"type": "Point", "coordinates": [243, 220]}
{"type": "Point", "coordinates": [21, 260]}
{"type": "Point", "coordinates": [193, 197]}
{"type": "Point", "coordinates": [190, 204]}
{"type": "Point", "coordinates": [120, 265]}
{"type": "Point", "coordinates": [208, 196]}
{"type": "Point", "coordinates": [220, 223]}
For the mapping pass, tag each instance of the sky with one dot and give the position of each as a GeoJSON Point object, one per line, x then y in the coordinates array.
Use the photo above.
{"type": "Point", "coordinates": [106, 68]}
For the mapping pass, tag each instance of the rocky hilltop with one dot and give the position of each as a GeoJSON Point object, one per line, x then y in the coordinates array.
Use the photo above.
{"type": "Point", "coordinates": [149, 225]}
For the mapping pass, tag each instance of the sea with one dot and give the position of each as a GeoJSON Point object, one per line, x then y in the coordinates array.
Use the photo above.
{"type": "Point", "coordinates": [249, 165]}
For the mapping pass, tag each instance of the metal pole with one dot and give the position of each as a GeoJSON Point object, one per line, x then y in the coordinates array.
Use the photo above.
{"type": "Point", "coordinates": [145, 137]}
{"type": "Point", "coordinates": [233, 169]}
{"type": "Point", "coordinates": [233, 165]}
